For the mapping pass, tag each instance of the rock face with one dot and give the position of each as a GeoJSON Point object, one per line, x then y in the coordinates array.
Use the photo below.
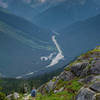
{"type": "Point", "coordinates": [95, 86]}
{"type": "Point", "coordinates": [96, 68]}
{"type": "Point", "coordinates": [78, 68]}
{"type": "Point", "coordinates": [81, 78]}
{"type": "Point", "coordinates": [14, 96]}
{"type": "Point", "coordinates": [66, 75]}
{"type": "Point", "coordinates": [50, 86]}
{"type": "Point", "coordinates": [86, 94]}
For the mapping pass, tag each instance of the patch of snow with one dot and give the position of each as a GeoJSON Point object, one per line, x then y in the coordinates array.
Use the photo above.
{"type": "Point", "coordinates": [44, 58]}
{"type": "Point", "coordinates": [59, 56]}
{"type": "Point", "coordinates": [19, 77]}
{"type": "Point", "coordinates": [28, 74]}
{"type": "Point", "coordinates": [56, 33]}
{"type": "Point", "coordinates": [31, 73]}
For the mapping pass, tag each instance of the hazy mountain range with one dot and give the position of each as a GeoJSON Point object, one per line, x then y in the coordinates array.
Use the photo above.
{"type": "Point", "coordinates": [53, 14]}
{"type": "Point", "coordinates": [22, 44]}
{"type": "Point", "coordinates": [28, 40]}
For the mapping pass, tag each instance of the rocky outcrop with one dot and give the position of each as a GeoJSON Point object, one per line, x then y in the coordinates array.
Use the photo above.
{"type": "Point", "coordinates": [78, 68]}
{"type": "Point", "coordinates": [96, 67]}
{"type": "Point", "coordinates": [86, 94]}
{"type": "Point", "coordinates": [91, 92]}
{"type": "Point", "coordinates": [95, 86]}
{"type": "Point", "coordinates": [81, 78]}
{"type": "Point", "coordinates": [13, 96]}
{"type": "Point", "coordinates": [66, 76]}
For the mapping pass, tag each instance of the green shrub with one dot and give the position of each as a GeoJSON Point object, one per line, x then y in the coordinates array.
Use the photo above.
{"type": "Point", "coordinates": [70, 90]}
{"type": "Point", "coordinates": [2, 96]}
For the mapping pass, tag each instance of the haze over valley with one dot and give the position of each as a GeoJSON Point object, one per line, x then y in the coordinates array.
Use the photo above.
{"type": "Point", "coordinates": [38, 36]}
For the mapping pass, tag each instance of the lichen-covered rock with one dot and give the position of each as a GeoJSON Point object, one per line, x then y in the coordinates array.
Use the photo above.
{"type": "Point", "coordinates": [85, 72]}
{"type": "Point", "coordinates": [97, 96]}
{"type": "Point", "coordinates": [81, 77]}
{"type": "Point", "coordinates": [95, 86]}
{"type": "Point", "coordinates": [66, 75]}
{"type": "Point", "coordinates": [98, 48]}
{"type": "Point", "coordinates": [42, 89]}
{"type": "Point", "coordinates": [60, 90]}
{"type": "Point", "coordinates": [96, 68]}
{"type": "Point", "coordinates": [78, 68]}
{"type": "Point", "coordinates": [14, 96]}
{"type": "Point", "coordinates": [88, 79]}
{"type": "Point", "coordinates": [85, 94]}
{"type": "Point", "coordinates": [97, 77]}
{"type": "Point", "coordinates": [50, 85]}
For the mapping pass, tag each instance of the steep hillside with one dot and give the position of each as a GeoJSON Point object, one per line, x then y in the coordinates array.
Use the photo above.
{"type": "Point", "coordinates": [11, 84]}
{"type": "Point", "coordinates": [53, 14]}
{"type": "Point", "coordinates": [27, 8]}
{"type": "Point", "coordinates": [22, 45]}
{"type": "Point", "coordinates": [67, 12]}
{"type": "Point", "coordinates": [80, 80]}
{"type": "Point", "coordinates": [79, 37]}
{"type": "Point", "coordinates": [20, 8]}
{"type": "Point", "coordinates": [31, 49]}
{"type": "Point", "coordinates": [23, 25]}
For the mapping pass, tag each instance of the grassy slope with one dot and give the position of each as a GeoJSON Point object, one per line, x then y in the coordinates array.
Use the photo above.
{"type": "Point", "coordinates": [71, 87]}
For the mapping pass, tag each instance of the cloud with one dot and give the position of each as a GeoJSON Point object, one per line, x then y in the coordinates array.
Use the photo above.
{"type": "Point", "coordinates": [3, 4]}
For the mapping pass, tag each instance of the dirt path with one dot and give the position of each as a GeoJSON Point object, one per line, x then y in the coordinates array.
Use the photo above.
{"type": "Point", "coordinates": [26, 97]}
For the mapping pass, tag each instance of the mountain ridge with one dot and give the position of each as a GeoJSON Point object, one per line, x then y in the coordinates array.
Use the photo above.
{"type": "Point", "coordinates": [49, 14]}
{"type": "Point", "coordinates": [66, 13]}
{"type": "Point", "coordinates": [17, 40]}
{"type": "Point", "coordinates": [79, 80]}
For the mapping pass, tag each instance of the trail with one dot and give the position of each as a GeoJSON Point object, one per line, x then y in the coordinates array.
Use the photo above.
{"type": "Point", "coordinates": [26, 97]}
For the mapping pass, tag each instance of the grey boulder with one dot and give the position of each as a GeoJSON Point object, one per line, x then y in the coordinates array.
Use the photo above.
{"type": "Point", "coordinates": [95, 86]}
{"type": "Point", "coordinates": [86, 94]}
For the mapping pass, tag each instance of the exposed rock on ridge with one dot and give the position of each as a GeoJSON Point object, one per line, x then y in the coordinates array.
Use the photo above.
{"type": "Point", "coordinates": [80, 80]}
